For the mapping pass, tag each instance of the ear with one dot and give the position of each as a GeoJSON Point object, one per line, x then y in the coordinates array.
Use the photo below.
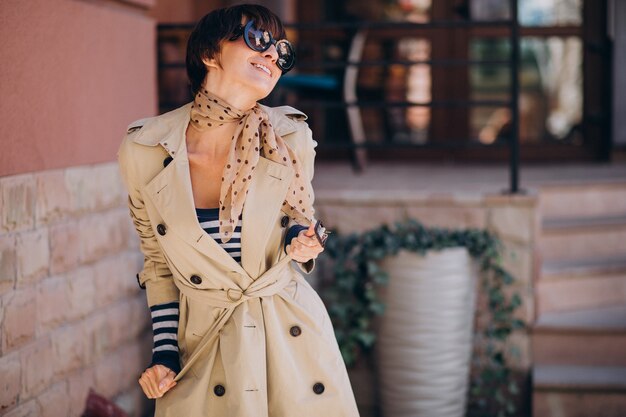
{"type": "Point", "coordinates": [210, 62]}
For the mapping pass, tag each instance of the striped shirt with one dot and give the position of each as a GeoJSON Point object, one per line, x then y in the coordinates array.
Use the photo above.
{"type": "Point", "coordinates": [165, 335]}
{"type": "Point", "coordinates": [165, 316]}
{"type": "Point", "coordinates": [209, 221]}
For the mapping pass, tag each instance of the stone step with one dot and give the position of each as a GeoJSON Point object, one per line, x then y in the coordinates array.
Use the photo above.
{"type": "Point", "coordinates": [582, 222]}
{"type": "Point", "coordinates": [583, 200]}
{"type": "Point", "coordinates": [579, 378]}
{"type": "Point", "coordinates": [592, 337]}
{"type": "Point", "coordinates": [569, 391]}
{"type": "Point", "coordinates": [558, 270]}
{"type": "Point", "coordinates": [576, 239]}
{"type": "Point", "coordinates": [572, 285]}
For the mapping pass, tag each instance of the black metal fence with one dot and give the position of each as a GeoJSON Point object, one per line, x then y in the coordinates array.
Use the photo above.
{"type": "Point", "coordinates": [172, 62]}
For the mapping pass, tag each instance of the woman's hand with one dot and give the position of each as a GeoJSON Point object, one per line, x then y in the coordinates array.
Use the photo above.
{"type": "Point", "coordinates": [157, 380]}
{"type": "Point", "coordinates": [305, 246]}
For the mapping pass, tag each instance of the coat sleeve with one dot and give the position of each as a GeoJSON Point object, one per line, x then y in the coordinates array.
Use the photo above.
{"type": "Point", "coordinates": [305, 150]}
{"type": "Point", "coordinates": [155, 275]}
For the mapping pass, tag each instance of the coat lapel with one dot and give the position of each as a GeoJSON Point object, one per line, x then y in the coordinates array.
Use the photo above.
{"type": "Point", "coordinates": [260, 212]}
{"type": "Point", "coordinates": [171, 193]}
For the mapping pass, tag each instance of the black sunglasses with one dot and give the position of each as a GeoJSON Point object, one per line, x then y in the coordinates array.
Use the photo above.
{"type": "Point", "coordinates": [260, 41]}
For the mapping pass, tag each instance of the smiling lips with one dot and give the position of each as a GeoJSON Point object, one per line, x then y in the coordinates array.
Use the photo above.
{"type": "Point", "coordinates": [263, 68]}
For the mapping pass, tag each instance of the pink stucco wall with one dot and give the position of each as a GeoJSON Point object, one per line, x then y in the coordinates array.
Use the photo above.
{"type": "Point", "coordinates": [73, 74]}
{"type": "Point", "coordinates": [176, 11]}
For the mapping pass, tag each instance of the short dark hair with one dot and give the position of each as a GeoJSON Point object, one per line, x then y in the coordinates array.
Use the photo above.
{"type": "Point", "coordinates": [206, 38]}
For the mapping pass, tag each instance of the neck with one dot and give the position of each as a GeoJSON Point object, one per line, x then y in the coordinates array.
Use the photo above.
{"type": "Point", "coordinates": [229, 92]}
{"type": "Point", "coordinates": [212, 141]}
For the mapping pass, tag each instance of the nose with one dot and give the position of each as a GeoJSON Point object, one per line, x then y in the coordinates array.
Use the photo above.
{"type": "Point", "coordinates": [271, 53]}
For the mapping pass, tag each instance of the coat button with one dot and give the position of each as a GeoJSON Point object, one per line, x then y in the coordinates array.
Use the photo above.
{"type": "Point", "coordinates": [284, 221]}
{"type": "Point", "coordinates": [219, 390]}
{"type": "Point", "coordinates": [196, 279]}
{"type": "Point", "coordinates": [318, 388]}
{"type": "Point", "coordinates": [295, 331]}
{"type": "Point", "coordinates": [161, 229]}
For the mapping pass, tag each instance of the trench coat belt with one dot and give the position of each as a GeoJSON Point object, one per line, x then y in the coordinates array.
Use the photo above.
{"type": "Point", "coordinates": [270, 283]}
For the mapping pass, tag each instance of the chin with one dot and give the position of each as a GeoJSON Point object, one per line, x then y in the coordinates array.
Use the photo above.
{"type": "Point", "coordinates": [263, 90]}
{"type": "Point", "coordinates": [262, 96]}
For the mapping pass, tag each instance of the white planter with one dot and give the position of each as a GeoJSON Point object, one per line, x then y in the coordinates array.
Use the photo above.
{"type": "Point", "coordinates": [424, 342]}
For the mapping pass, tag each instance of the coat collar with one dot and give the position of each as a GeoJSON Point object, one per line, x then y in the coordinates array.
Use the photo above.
{"type": "Point", "coordinates": [164, 130]}
{"type": "Point", "coordinates": [171, 193]}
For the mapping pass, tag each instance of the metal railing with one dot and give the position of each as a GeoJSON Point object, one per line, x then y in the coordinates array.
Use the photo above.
{"type": "Point", "coordinates": [358, 148]}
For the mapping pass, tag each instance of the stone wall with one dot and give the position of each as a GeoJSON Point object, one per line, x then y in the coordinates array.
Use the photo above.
{"type": "Point", "coordinates": [71, 314]}
{"type": "Point", "coordinates": [71, 318]}
{"type": "Point", "coordinates": [514, 219]}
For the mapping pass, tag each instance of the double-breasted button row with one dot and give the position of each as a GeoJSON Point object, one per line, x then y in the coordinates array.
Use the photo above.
{"type": "Point", "coordinates": [161, 229]}
{"type": "Point", "coordinates": [219, 390]}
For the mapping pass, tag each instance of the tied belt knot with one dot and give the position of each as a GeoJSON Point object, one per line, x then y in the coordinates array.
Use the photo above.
{"type": "Point", "coordinates": [268, 284]}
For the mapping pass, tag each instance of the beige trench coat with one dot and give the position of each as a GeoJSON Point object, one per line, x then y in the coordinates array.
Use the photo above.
{"type": "Point", "coordinates": [257, 331]}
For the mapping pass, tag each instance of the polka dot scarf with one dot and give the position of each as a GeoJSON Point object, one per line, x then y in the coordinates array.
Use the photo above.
{"type": "Point", "coordinates": [253, 137]}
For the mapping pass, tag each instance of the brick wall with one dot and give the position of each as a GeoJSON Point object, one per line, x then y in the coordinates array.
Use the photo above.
{"type": "Point", "coordinates": [71, 314]}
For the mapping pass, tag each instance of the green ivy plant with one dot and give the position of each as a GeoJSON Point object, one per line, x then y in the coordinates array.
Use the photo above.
{"type": "Point", "coordinates": [352, 300]}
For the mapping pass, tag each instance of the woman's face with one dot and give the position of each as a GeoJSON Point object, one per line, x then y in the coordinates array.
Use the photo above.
{"type": "Point", "coordinates": [245, 75]}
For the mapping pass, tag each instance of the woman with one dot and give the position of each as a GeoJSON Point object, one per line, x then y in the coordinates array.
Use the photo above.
{"type": "Point", "coordinates": [220, 194]}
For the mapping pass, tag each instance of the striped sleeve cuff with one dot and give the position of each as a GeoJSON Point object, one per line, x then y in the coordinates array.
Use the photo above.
{"type": "Point", "coordinates": [293, 232]}
{"type": "Point", "coordinates": [165, 335]}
